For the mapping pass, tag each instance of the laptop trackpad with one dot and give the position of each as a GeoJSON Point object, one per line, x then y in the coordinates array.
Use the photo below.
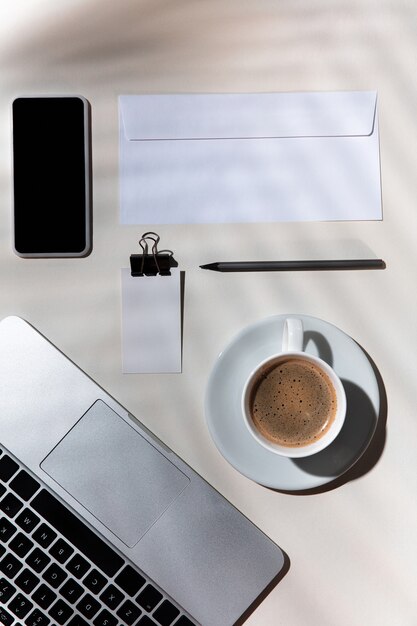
{"type": "Point", "coordinates": [115, 473]}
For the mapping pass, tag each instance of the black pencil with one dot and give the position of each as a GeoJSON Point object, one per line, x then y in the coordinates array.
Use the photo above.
{"type": "Point", "coordinates": [285, 266]}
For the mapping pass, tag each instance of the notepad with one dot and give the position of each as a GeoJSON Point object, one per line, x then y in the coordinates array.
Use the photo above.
{"type": "Point", "coordinates": [151, 323]}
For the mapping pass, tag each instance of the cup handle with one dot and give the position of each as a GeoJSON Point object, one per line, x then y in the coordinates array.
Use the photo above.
{"type": "Point", "coordinates": [292, 337]}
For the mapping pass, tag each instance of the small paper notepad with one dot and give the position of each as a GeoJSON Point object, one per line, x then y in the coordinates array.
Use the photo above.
{"type": "Point", "coordinates": [151, 323]}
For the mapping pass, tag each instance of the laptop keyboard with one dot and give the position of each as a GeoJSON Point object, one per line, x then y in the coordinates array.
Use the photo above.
{"type": "Point", "coordinates": [55, 570]}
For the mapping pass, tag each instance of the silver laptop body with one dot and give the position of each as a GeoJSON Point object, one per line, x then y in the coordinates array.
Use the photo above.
{"type": "Point", "coordinates": [124, 483]}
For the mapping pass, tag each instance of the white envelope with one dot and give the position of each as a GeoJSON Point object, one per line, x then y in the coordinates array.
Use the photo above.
{"type": "Point", "coordinates": [200, 158]}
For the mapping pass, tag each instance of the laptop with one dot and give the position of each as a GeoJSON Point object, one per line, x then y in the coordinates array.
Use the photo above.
{"type": "Point", "coordinates": [100, 523]}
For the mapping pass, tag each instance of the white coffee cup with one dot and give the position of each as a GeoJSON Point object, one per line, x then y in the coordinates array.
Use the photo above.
{"type": "Point", "coordinates": [292, 348]}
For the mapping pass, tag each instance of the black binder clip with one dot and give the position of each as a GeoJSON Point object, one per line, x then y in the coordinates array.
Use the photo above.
{"type": "Point", "coordinates": [158, 262]}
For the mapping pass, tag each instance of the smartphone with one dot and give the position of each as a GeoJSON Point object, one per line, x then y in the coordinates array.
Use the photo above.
{"type": "Point", "coordinates": [51, 176]}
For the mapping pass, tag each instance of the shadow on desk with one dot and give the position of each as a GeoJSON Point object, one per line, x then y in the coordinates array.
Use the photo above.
{"type": "Point", "coordinates": [362, 437]}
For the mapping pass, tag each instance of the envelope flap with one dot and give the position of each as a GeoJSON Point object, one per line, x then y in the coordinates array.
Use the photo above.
{"type": "Point", "coordinates": [238, 116]}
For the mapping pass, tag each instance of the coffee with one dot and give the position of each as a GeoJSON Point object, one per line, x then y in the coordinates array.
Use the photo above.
{"type": "Point", "coordinates": [293, 403]}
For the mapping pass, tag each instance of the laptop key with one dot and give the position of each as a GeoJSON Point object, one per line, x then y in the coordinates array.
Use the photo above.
{"type": "Point", "coordinates": [61, 550]}
{"type": "Point", "coordinates": [27, 520]}
{"type": "Point", "coordinates": [149, 598]}
{"type": "Point", "coordinates": [130, 580]}
{"type": "Point", "coordinates": [37, 618]}
{"type": "Point", "coordinates": [128, 612]}
{"type": "Point", "coordinates": [44, 535]}
{"type": "Point", "coordinates": [105, 619]}
{"type": "Point", "coordinates": [27, 581]}
{"type": "Point", "coordinates": [77, 620]}
{"type": "Point", "coordinates": [2, 490]}
{"type": "Point", "coordinates": [146, 621]}
{"type": "Point", "coordinates": [7, 529]}
{"type": "Point", "coordinates": [20, 544]}
{"type": "Point", "coordinates": [166, 613]}
{"type": "Point", "coordinates": [88, 606]}
{"type": "Point", "coordinates": [54, 575]}
{"type": "Point", "coordinates": [6, 591]}
{"type": "Point", "coordinates": [112, 597]}
{"type": "Point", "coordinates": [20, 605]}
{"type": "Point", "coordinates": [94, 581]}
{"type": "Point", "coordinates": [37, 560]}
{"type": "Point", "coordinates": [44, 596]}
{"type": "Point", "coordinates": [24, 485]}
{"type": "Point", "coordinates": [5, 617]}
{"type": "Point", "coordinates": [78, 566]}
{"type": "Point", "coordinates": [8, 467]}
{"type": "Point", "coordinates": [184, 621]}
{"type": "Point", "coordinates": [60, 612]}
{"type": "Point", "coordinates": [71, 591]}
{"type": "Point", "coordinates": [10, 505]}
{"type": "Point", "coordinates": [10, 566]}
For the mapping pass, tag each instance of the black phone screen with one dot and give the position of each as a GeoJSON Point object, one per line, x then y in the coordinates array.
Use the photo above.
{"type": "Point", "coordinates": [51, 176]}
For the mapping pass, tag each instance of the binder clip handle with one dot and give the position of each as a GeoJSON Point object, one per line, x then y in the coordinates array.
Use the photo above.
{"type": "Point", "coordinates": [151, 264]}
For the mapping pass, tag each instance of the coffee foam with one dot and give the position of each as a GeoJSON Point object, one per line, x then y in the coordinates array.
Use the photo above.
{"type": "Point", "coordinates": [293, 403]}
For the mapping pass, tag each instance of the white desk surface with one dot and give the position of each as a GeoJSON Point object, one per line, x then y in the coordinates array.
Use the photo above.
{"type": "Point", "coordinates": [353, 548]}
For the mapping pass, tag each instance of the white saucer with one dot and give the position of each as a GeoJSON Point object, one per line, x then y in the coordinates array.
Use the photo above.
{"type": "Point", "coordinates": [223, 412]}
